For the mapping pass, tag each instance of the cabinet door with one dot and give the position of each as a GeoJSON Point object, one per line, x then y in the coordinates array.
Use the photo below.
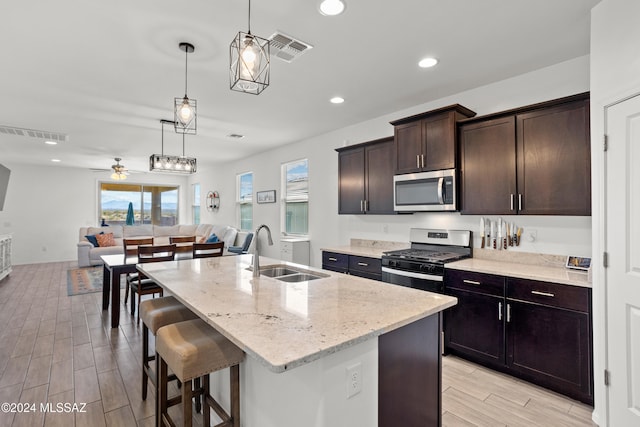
{"type": "Point", "coordinates": [554, 160]}
{"type": "Point", "coordinates": [474, 328]}
{"type": "Point", "coordinates": [371, 268]}
{"type": "Point", "coordinates": [408, 140]}
{"type": "Point", "coordinates": [351, 181]}
{"type": "Point", "coordinates": [488, 167]}
{"type": "Point", "coordinates": [438, 133]}
{"type": "Point", "coordinates": [550, 346]}
{"type": "Point", "coordinates": [380, 160]}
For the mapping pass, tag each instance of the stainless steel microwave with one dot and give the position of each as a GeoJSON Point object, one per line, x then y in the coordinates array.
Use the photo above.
{"type": "Point", "coordinates": [425, 191]}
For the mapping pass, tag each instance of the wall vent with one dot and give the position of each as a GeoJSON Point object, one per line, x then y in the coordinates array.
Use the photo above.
{"type": "Point", "coordinates": [33, 133]}
{"type": "Point", "coordinates": [286, 47]}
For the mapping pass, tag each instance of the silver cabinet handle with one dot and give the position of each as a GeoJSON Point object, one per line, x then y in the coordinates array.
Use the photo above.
{"type": "Point", "coordinates": [500, 311]}
{"type": "Point", "coordinates": [511, 200]}
{"type": "Point", "coordinates": [417, 160]}
{"type": "Point", "coordinates": [508, 313]}
{"type": "Point", "coordinates": [519, 201]}
{"type": "Point", "coordinates": [333, 259]}
{"type": "Point", "coordinates": [471, 282]}
{"type": "Point", "coordinates": [363, 264]}
{"type": "Point", "coordinates": [422, 157]}
{"type": "Point", "coordinates": [366, 205]}
{"type": "Point", "coordinates": [361, 205]}
{"type": "Point", "coordinates": [544, 294]}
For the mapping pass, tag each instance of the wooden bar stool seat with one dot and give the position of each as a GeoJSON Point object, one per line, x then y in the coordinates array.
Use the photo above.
{"type": "Point", "coordinates": [156, 313]}
{"type": "Point", "coordinates": [192, 350]}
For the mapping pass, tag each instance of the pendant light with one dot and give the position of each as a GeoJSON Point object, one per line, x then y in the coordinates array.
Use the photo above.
{"type": "Point", "coordinates": [165, 163]}
{"type": "Point", "coordinates": [249, 57]}
{"type": "Point", "coordinates": [185, 117]}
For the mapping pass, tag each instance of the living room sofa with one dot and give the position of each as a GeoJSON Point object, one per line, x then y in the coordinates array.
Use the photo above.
{"type": "Point", "coordinates": [89, 254]}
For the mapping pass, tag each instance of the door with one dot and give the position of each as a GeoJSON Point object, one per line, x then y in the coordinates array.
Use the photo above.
{"type": "Point", "coordinates": [438, 133]}
{"type": "Point", "coordinates": [488, 167]}
{"type": "Point", "coordinates": [351, 181]}
{"type": "Point", "coordinates": [380, 161]}
{"type": "Point", "coordinates": [408, 140]}
{"type": "Point", "coordinates": [622, 277]}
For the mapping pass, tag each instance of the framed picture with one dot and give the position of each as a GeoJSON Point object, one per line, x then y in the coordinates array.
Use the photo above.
{"type": "Point", "coordinates": [578, 263]}
{"type": "Point", "coordinates": [266, 196]}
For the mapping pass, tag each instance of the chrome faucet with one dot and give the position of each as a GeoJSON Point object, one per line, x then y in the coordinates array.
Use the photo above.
{"type": "Point", "coordinates": [256, 252]}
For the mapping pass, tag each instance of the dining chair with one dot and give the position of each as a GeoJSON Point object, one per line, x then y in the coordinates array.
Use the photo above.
{"type": "Point", "coordinates": [207, 250]}
{"type": "Point", "coordinates": [131, 249]}
{"type": "Point", "coordinates": [144, 285]}
{"type": "Point", "coordinates": [183, 243]}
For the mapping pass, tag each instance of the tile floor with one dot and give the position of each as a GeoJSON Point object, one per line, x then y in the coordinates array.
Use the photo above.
{"type": "Point", "coordinates": [60, 349]}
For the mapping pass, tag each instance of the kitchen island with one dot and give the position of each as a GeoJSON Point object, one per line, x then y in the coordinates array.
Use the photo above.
{"type": "Point", "coordinates": [302, 339]}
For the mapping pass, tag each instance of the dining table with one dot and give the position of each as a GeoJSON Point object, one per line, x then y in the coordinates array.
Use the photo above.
{"type": "Point", "coordinates": [113, 269]}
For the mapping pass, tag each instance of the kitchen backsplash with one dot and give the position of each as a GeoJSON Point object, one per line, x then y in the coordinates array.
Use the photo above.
{"type": "Point", "coordinates": [380, 244]}
{"type": "Point", "coordinates": [521, 257]}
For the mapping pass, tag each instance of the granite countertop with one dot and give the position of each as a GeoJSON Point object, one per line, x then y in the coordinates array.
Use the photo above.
{"type": "Point", "coordinates": [367, 248]}
{"type": "Point", "coordinates": [545, 273]}
{"type": "Point", "coordinates": [284, 325]}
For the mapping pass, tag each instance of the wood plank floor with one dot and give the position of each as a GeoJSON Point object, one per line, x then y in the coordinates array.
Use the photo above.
{"type": "Point", "coordinates": [60, 349]}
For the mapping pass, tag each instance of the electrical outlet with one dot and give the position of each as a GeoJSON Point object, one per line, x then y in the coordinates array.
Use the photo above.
{"type": "Point", "coordinates": [532, 235]}
{"type": "Point", "coordinates": [354, 379]}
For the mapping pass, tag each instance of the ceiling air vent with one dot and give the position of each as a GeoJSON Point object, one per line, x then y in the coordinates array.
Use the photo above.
{"type": "Point", "coordinates": [286, 47]}
{"type": "Point", "coordinates": [41, 134]}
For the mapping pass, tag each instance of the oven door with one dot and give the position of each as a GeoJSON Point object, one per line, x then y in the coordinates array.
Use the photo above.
{"type": "Point", "coordinates": [411, 279]}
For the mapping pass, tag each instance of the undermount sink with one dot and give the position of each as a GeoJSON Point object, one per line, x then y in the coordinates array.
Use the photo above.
{"type": "Point", "coordinates": [290, 274]}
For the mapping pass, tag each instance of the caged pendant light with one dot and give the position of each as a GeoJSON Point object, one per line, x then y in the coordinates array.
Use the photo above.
{"type": "Point", "coordinates": [185, 109]}
{"type": "Point", "coordinates": [249, 57]}
{"type": "Point", "coordinates": [165, 163]}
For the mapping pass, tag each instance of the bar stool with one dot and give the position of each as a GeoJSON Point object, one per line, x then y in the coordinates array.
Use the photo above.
{"type": "Point", "coordinates": [156, 313]}
{"type": "Point", "coordinates": [193, 349]}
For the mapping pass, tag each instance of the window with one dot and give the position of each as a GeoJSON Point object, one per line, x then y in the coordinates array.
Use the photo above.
{"type": "Point", "coordinates": [195, 208]}
{"type": "Point", "coordinates": [295, 197]}
{"type": "Point", "coordinates": [245, 200]}
{"type": "Point", "coordinates": [152, 204]}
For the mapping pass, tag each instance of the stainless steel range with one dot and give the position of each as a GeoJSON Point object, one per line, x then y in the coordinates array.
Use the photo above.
{"type": "Point", "coordinates": [422, 265]}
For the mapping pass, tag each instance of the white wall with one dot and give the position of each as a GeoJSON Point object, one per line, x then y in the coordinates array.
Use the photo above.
{"type": "Point", "coordinates": [556, 235]}
{"type": "Point", "coordinates": [615, 74]}
{"type": "Point", "coordinates": [46, 205]}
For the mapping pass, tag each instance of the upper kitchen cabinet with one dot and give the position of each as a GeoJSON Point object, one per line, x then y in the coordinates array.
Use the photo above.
{"type": "Point", "coordinates": [427, 141]}
{"type": "Point", "coordinates": [534, 160]}
{"type": "Point", "coordinates": [365, 181]}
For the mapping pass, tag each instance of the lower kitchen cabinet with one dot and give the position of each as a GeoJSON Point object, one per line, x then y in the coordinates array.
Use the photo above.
{"type": "Point", "coordinates": [537, 331]}
{"type": "Point", "coordinates": [370, 268]}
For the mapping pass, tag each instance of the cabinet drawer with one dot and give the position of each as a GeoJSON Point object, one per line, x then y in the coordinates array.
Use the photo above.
{"type": "Point", "coordinates": [331, 260]}
{"type": "Point", "coordinates": [488, 284]}
{"type": "Point", "coordinates": [551, 294]}
{"type": "Point", "coordinates": [370, 265]}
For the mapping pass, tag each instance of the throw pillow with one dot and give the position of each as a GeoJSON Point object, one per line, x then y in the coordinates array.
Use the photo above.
{"type": "Point", "coordinates": [105, 240]}
{"type": "Point", "coordinates": [92, 238]}
{"type": "Point", "coordinates": [212, 239]}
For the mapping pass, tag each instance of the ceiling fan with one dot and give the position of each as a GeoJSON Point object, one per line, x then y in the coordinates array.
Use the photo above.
{"type": "Point", "coordinates": [120, 172]}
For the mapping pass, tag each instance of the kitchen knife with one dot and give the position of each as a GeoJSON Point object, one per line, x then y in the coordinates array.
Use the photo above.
{"type": "Point", "coordinates": [504, 235]}
{"type": "Point", "coordinates": [482, 231]}
{"type": "Point", "coordinates": [493, 234]}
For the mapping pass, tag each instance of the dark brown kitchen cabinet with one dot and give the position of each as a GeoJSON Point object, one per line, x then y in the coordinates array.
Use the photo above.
{"type": "Point", "coordinates": [531, 161]}
{"type": "Point", "coordinates": [474, 328]}
{"type": "Point", "coordinates": [365, 181]}
{"type": "Point", "coordinates": [370, 268]}
{"type": "Point", "coordinates": [427, 141]}
{"type": "Point", "coordinates": [549, 336]}
{"type": "Point", "coordinates": [537, 331]}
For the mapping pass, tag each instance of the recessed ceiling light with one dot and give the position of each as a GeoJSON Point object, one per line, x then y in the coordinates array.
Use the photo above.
{"type": "Point", "coordinates": [50, 142]}
{"type": "Point", "coordinates": [336, 100]}
{"type": "Point", "coordinates": [55, 160]}
{"type": "Point", "coordinates": [427, 62]}
{"type": "Point", "coordinates": [332, 7]}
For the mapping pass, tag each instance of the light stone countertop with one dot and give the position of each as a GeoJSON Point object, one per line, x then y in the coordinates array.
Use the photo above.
{"type": "Point", "coordinates": [285, 325]}
{"type": "Point", "coordinates": [545, 273]}
{"type": "Point", "coordinates": [367, 248]}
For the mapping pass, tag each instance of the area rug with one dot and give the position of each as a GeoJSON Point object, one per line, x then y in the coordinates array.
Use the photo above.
{"type": "Point", "coordinates": [84, 280]}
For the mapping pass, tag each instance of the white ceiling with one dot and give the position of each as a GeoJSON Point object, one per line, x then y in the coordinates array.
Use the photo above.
{"type": "Point", "coordinates": [106, 72]}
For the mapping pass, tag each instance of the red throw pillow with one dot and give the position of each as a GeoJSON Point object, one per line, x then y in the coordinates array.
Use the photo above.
{"type": "Point", "coordinates": [105, 240]}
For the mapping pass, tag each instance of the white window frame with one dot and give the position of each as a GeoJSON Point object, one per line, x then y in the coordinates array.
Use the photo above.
{"type": "Point", "coordinates": [246, 201]}
{"type": "Point", "coordinates": [284, 197]}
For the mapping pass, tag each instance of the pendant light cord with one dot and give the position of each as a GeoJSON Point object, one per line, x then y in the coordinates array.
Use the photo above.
{"type": "Point", "coordinates": [183, 145]}
{"type": "Point", "coordinates": [249, 17]}
{"type": "Point", "coordinates": [162, 139]}
{"type": "Point", "coordinates": [186, 55]}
